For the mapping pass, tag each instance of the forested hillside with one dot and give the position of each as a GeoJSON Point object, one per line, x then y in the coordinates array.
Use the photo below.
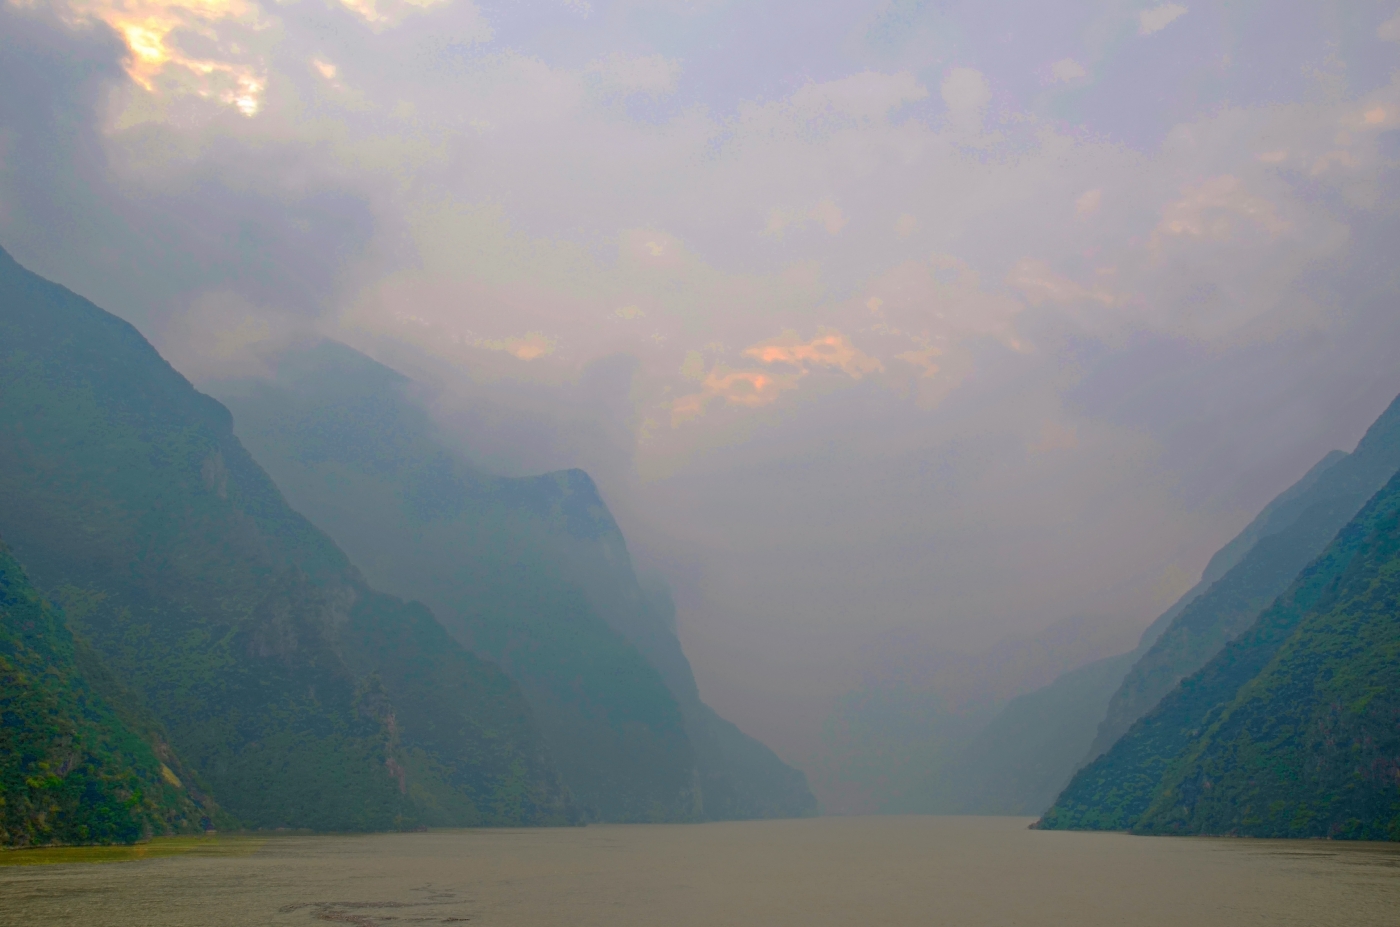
{"type": "Point", "coordinates": [301, 696]}
{"type": "Point", "coordinates": [1027, 753]}
{"type": "Point", "coordinates": [1030, 749]}
{"type": "Point", "coordinates": [532, 572]}
{"type": "Point", "coordinates": [1292, 531]}
{"type": "Point", "coordinates": [79, 760]}
{"type": "Point", "coordinates": [1291, 730]}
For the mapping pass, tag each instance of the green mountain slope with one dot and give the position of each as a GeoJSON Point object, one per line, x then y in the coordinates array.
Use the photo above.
{"type": "Point", "coordinates": [532, 572]}
{"type": "Point", "coordinates": [1292, 730]}
{"type": "Point", "coordinates": [1285, 538]}
{"type": "Point", "coordinates": [78, 761]}
{"type": "Point", "coordinates": [303, 697]}
{"type": "Point", "coordinates": [1026, 755]}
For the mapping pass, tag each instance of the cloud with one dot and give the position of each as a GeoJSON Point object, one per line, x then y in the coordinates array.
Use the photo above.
{"type": "Point", "coordinates": [528, 347]}
{"type": "Point", "coordinates": [748, 388]}
{"type": "Point", "coordinates": [227, 72]}
{"type": "Point", "coordinates": [387, 12]}
{"type": "Point", "coordinates": [1389, 31]}
{"type": "Point", "coordinates": [940, 302]}
{"type": "Point", "coordinates": [220, 50]}
{"type": "Point", "coordinates": [867, 95]}
{"type": "Point", "coordinates": [926, 360]}
{"type": "Point", "coordinates": [965, 91]}
{"type": "Point", "coordinates": [1055, 436]}
{"type": "Point", "coordinates": [829, 349]}
{"type": "Point", "coordinates": [1159, 17]}
{"type": "Point", "coordinates": [752, 388]}
{"type": "Point", "coordinates": [1039, 283]}
{"type": "Point", "coordinates": [1089, 202]}
{"type": "Point", "coordinates": [1218, 209]}
{"type": "Point", "coordinates": [1066, 70]}
{"type": "Point", "coordinates": [825, 214]}
{"type": "Point", "coordinates": [622, 75]}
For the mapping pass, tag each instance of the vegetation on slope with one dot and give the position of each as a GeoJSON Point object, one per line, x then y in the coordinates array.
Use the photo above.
{"type": "Point", "coordinates": [78, 762]}
{"type": "Point", "coordinates": [532, 572]}
{"type": "Point", "coordinates": [1288, 534]}
{"type": "Point", "coordinates": [1028, 753]}
{"type": "Point", "coordinates": [303, 697]}
{"type": "Point", "coordinates": [1292, 730]}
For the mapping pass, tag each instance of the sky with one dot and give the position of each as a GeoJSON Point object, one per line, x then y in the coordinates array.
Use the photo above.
{"type": "Point", "coordinates": [886, 328]}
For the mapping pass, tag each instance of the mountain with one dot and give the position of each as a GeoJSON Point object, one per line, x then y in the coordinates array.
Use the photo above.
{"type": "Point", "coordinates": [1027, 754]}
{"type": "Point", "coordinates": [740, 777]}
{"type": "Point", "coordinates": [532, 572]}
{"type": "Point", "coordinates": [1291, 730]}
{"type": "Point", "coordinates": [1292, 531]}
{"type": "Point", "coordinates": [79, 762]}
{"type": "Point", "coordinates": [1023, 757]}
{"type": "Point", "coordinates": [302, 696]}
{"type": "Point", "coordinates": [892, 743]}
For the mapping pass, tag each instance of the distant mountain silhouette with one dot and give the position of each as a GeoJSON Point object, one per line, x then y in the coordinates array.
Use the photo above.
{"type": "Point", "coordinates": [532, 572]}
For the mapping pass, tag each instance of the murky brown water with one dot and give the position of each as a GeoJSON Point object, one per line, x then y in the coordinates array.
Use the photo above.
{"type": "Point", "coordinates": [968, 872]}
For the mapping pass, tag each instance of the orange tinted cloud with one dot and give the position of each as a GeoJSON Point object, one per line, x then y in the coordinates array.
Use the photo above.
{"type": "Point", "coordinates": [736, 387]}
{"type": "Point", "coordinates": [1215, 209]}
{"type": "Point", "coordinates": [831, 349]}
{"type": "Point", "coordinates": [759, 387]}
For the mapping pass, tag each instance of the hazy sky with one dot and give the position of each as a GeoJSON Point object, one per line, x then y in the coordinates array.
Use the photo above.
{"type": "Point", "coordinates": [876, 322]}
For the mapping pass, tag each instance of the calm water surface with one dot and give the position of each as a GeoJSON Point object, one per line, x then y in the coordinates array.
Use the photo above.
{"type": "Point", "coordinates": [968, 872]}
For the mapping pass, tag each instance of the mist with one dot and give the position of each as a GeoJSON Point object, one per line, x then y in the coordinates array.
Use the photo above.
{"type": "Point", "coordinates": [896, 335]}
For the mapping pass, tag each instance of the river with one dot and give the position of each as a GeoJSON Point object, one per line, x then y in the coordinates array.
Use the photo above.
{"type": "Point", "coordinates": [874, 871]}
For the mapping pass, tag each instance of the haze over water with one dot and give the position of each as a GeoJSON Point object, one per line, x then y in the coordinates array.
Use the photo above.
{"type": "Point", "coordinates": [868, 871]}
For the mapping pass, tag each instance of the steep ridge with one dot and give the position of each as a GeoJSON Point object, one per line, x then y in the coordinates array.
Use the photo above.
{"type": "Point", "coordinates": [532, 572]}
{"type": "Point", "coordinates": [1291, 730]}
{"type": "Point", "coordinates": [1292, 531]}
{"type": "Point", "coordinates": [1027, 754]}
{"type": "Point", "coordinates": [79, 763]}
{"type": "Point", "coordinates": [303, 697]}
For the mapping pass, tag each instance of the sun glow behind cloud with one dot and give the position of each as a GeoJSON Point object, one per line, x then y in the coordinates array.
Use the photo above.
{"type": "Point", "coordinates": [228, 71]}
{"type": "Point", "coordinates": [149, 28]}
